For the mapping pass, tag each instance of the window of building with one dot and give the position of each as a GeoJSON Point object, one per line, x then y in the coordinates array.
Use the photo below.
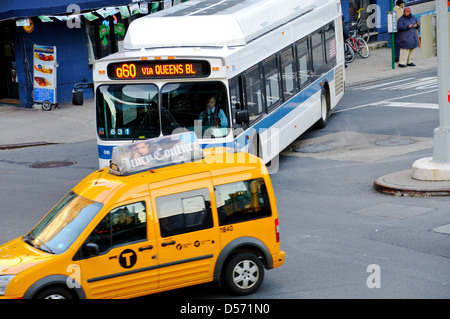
{"type": "Point", "coordinates": [184, 212]}
{"type": "Point", "coordinates": [242, 201]}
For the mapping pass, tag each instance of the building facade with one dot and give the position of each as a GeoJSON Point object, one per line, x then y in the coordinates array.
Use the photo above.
{"type": "Point", "coordinates": [374, 13]}
{"type": "Point", "coordinates": [83, 31]}
{"type": "Point", "coordinates": [80, 30]}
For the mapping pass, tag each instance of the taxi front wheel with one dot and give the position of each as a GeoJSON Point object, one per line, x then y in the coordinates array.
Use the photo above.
{"type": "Point", "coordinates": [244, 273]}
{"type": "Point", "coordinates": [54, 293]}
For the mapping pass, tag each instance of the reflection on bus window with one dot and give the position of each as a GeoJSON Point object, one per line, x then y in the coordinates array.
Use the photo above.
{"type": "Point", "coordinates": [288, 72]}
{"type": "Point", "coordinates": [200, 107]}
{"type": "Point", "coordinates": [317, 50]}
{"type": "Point", "coordinates": [271, 81]}
{"type": "Point", "coordinates": [304, 69]}
{"type": "Point", "coordinates": [127, 111]}
{"type": "Point", "coordinates": [254, 92]}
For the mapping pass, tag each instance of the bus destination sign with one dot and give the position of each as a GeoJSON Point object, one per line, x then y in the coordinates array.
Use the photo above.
{"type": "Point", "coordinates": [158, 69]}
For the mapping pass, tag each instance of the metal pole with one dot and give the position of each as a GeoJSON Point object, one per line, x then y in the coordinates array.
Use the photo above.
{"type": "Point", "coordinates": [393, 40]}
{"type": "Point", "coordinates": [441, 149]}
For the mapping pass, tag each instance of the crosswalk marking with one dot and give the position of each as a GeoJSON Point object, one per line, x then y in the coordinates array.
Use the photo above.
{"type": "Point", "coordinates": [393, 102]}
{"type": "Point", "coordinates": [402, 84]}
{"type": "Point", "coordinates": [416, 105]}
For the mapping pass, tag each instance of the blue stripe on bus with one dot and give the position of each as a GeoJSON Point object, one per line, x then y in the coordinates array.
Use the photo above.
{"type": "Point", "coordinates": [281, 112]}
{"type": "Point", "coordinates": [105, 151]}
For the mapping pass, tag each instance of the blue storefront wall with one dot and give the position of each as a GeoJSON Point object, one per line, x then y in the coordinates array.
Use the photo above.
{"type": "Point", "coordinates": [72, 58]}
{"type": "Point", "coordinates": [71, 43]}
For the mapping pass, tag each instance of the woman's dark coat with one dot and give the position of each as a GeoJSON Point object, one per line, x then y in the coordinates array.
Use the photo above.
{"type": "Point", "coordinates": [408, 38]}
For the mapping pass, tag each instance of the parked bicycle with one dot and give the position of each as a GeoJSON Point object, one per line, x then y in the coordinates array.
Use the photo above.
{"type": "Point", "coordinates": [355, 44]}
{"type": "Point", "coordinates": [361, 28]}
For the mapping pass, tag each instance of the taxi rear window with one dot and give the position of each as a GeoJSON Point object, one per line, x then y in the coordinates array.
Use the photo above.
{"type": "Point", "coordinates": [184, 212]}
{"type": "Point", "coordinates": [242, 201]}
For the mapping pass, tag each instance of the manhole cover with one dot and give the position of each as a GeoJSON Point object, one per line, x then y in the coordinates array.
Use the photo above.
{"type": "Point", "coordinates": [51, 164]}
{"type": "Point", "coordinates": [313, 148]}
{"type": "Point", "coordinates": [395, 141]}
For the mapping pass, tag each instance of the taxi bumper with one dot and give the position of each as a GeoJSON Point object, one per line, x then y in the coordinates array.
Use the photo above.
{"type": "Point", "coordinates": [278, 259]}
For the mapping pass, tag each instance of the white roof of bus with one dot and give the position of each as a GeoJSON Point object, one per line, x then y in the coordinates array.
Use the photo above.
{"type": "Point", "coordinates": [217, 23]}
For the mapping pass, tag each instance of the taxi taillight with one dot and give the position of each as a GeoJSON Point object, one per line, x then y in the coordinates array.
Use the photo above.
{"type": "Point", "coordinates": [277, 230]}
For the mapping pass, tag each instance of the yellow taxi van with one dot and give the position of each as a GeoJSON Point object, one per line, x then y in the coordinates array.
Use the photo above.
{"type": "Point", "coordinates": [165, 215]}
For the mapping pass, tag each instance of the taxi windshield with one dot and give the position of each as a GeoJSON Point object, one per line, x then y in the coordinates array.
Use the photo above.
{"type": "Point", "coordinates": [63, 224]}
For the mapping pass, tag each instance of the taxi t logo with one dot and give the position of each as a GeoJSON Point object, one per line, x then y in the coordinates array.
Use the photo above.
{"type": "Point", "coordinates": [127, 258]}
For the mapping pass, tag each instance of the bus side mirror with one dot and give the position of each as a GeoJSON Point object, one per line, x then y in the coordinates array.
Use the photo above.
{"type": "Point", "coordinates": [77, 97]}
{"type": "Point", "coordinates": [242, 117]}
{"type": "Point", "coordinates": [77, 92]}
{"type": "Point", "coordinates": [91, 250]}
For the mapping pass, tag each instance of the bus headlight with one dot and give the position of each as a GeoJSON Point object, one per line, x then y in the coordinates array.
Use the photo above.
{"type": "Point", "coordinates": [4, 281]}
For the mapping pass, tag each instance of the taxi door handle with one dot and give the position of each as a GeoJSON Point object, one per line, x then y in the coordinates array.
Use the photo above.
{"type": "Point", "coordinates": [168, 243]}
{"type": "Point", "coordinates": [145, 248]}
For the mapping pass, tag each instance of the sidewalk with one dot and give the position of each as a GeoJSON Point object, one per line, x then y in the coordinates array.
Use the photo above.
{"type": "Point", "coordinates": [21, 127]}
{"type": "Point", "coordinates": [378, 66]}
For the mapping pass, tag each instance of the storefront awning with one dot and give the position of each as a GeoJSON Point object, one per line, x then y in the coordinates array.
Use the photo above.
{"type": "Point", "coordinates": [13, 9]}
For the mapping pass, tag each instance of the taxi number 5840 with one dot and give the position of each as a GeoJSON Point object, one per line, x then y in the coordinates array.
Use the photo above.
{"type": "Point", "coordinates": [225, 229]}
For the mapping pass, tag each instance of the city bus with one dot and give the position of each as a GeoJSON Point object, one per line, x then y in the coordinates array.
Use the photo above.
{"type": "Point", "coordinates": [249, 75]}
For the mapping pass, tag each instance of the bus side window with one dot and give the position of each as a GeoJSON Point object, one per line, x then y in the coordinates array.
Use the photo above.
{"type": "Point", "coordinates": [253, 92]}
{"type": "Point", "coordinates": [330, 43]}
{"type": "Point", "coordinates": [318, 56]}
{"type": "Point", "coordinates": [304, 65]}
{"type": "Point", "coordinates": [272, 83]}
{"type": "Point", "coordinates": [236, 97]}
{"type": "Point", "coordinates": [288, 72]}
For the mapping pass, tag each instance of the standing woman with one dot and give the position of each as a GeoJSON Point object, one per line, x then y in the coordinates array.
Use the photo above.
{"type": "Point", "coordinates": [408, 37]}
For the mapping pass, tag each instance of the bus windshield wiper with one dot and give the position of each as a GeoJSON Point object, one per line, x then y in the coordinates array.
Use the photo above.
{"type": "Point", "coordinates": [141, 126]}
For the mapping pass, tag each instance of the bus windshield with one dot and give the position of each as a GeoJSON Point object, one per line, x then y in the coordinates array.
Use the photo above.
{"type": "Point", "coordinates": [200, 107]}
{"type": "Point", "coordinates": [131, 112]}
{"type": "Point", "coordinates": [127, 111]}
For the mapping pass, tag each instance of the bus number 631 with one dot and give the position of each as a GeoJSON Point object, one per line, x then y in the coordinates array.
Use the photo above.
{"type": "Point", "coordinates": [126, 71]}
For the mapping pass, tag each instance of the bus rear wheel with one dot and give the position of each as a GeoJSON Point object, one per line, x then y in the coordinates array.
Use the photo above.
{"type": "Point", "coordinates": [324, 109]}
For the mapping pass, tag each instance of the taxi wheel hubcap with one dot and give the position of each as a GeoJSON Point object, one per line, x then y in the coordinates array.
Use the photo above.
{"type": "Point", "coordinates": [55, 296]}
{"type": "Point", "coordinates": [245, 274]}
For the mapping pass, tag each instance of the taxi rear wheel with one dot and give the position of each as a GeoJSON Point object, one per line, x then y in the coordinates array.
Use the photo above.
{"type": "Point", "coordinates": [244, 273]}
{"type": "Point", "coordinates": [54, 293]}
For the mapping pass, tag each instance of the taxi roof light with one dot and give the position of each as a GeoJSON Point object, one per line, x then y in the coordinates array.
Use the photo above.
{"type": "Point", "coordinates": [155, 153]}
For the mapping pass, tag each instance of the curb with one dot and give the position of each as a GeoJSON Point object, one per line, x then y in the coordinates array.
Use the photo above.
{"type": "Point", "coordinates": [22, 145]}
{"type": "Point", "coordinates": [401, 184]}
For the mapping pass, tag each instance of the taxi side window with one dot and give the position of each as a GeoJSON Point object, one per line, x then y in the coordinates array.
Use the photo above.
{"type": "Point", "coordinates": [184, 212]}
{"type": "Point", "coordinates": [242, 201]}
{"type": "Point", "coordinates": [121, 225]}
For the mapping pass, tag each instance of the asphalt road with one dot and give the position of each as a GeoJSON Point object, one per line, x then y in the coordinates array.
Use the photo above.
{"type": "Point", "coordinates": [342, 239]}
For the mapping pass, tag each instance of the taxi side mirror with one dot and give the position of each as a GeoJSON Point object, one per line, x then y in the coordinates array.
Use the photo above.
{"type": "Point", "coordinates": [91, 249]}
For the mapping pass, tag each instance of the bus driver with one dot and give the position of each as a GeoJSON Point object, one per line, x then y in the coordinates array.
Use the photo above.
{"type": "Point", "coordinates": [213, 116]}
